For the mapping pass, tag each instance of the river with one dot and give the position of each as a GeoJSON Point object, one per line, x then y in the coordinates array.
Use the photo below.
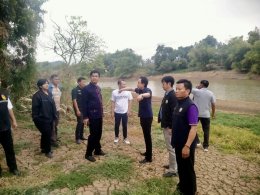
{"type": "Point", "coordinates": [225, 89]}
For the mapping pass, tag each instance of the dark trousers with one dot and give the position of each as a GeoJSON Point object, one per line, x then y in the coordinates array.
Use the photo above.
{"type": "Point", "coordinates": [146, 124]}
{"type": "Point", "coordinates": [187, 177]}
{"type": "Point", "coordinates": [118, 118]}
{"type": "Point", "coordinates": [95, 128]}
{"type": "Point", "coordinates": [54, 134]}
{"type": "Point", "coordinates": [46, 131]}
{"type": "Point", "coordinates": [79, 128]}
{"type": "Point", "coordinates": [7, 142]}
{"type": "Point", "coordinates": [205, 123]}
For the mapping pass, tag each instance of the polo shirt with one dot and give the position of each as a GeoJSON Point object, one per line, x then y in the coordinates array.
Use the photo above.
{"type": "Point", "coordinates": [203, 98]}
{"type": "Point", "coordinates": [145, 105]}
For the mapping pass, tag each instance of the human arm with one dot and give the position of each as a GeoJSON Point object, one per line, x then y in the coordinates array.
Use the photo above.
{"type": "Point", "coordinates": [213, 107]}
{"type": "Point", "coordinates": [126, 89]}
{"type": "Point", "coordinates": [191, 137]}
{"type": "Point", "coordinates": [75, 105]}
{"type": "Point", "coordinates": [11, 113]}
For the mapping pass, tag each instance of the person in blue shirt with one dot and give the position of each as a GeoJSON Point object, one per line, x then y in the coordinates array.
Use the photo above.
{"type": "Point", "coordinates": [93, 115]}
{"type": "Point", "coordinates": [145, 113]}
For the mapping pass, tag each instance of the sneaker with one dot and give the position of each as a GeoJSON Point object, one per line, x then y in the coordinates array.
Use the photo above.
{"type": "Point", "coordinates": [169, 174]}
{"type": "Point", "coordinates": [84, 138]}
{"type": "Point", "coordinates": [145, 161]}
{"type": "Point", "coordinates": [116, 140]}
{"type": "Point", "coordinates": [126, 141]}
{"type": "Point", "coordinates": [198, 145]}
{"type": "Point", "coordinates": [206, 149]}
{"type": "Point", "coordinates": [90, 158]}
{"type": "Point", "coordinates": [78, 141]}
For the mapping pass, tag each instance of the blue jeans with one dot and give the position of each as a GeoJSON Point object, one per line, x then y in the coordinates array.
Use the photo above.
{"type": "Point", "coordinates": [118, 118]}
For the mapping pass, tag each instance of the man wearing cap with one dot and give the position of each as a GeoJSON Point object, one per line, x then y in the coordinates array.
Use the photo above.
{"type": "Point", "coordinates": [204, 100]}
{"type": "Point", "coordinates": [43, 115]}
{"type": "Point", "coordinates": [6, 140]}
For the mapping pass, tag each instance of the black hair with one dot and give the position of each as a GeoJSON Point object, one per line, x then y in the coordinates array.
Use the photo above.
{"type": "Point", "coordinates": [144, 81]}
{"type": "Point", "coordinates": [120, 81]}
{"type": "Point", "coordinates": [93, 72]}
{"type": "Point", "coordinates": [41, 82]}
{"type": "Point", "coordinates": [205, 83]}
{"type": "Point", "coordinates": [187, 84]}
{"type": "Point", "coordinates": [80, 79]}
{"type": "Point", "coordinates": [168, 79]}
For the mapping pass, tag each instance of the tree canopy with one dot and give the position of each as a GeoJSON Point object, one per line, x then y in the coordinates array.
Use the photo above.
{"type": "Point", "coordinates": [20, 24]}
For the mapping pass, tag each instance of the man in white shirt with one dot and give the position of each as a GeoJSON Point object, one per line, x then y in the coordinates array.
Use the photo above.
{"type": "Point", "coordinates": [121, 109]}
{"type": "Point", "coordinates": [205, 101]}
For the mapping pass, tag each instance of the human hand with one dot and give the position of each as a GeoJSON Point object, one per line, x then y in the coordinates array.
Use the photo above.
{"type": "Point", "coordinates": [139, 98]}
{"type": "Point", "coordinates": [14, 124]}
{"type": "Point", "coordinates": [185, 152]}
{"type": "Point", "coordinates": [86, 121]}
{"type": "Point", "coordinates": [78, 113]}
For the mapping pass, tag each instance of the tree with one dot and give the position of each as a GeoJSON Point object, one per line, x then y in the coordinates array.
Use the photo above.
{"type": "Point", "coordinates": [75, 44]}
{"type": "Point", "coordinates": [252, 57]}
{"type": "Point", "coordinates": [122, 63]}
{"type": "Point", "coordinates": [253, 36]}
{"type": "Point", "coordinates": [20, 24]}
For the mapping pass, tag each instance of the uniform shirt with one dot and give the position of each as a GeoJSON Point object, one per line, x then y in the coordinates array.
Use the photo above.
{"type": "Point", "coordinates": [145, 105]}
{"type": "Point", "coordinates": [203, 98]}
{"type": "Point", "coordinates": [76, 94]}
{"type": "Point", "coordinates": [121, 100]}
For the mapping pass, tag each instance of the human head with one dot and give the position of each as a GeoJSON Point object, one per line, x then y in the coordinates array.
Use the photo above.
{"type": "Point", "coordinates": [204, 83]}
{"type": "Point", "coordinates": [183, 88]}
{"type": "Point", "coordinates": [94, 76]}
{"type": "Point", "coordinates": [167, 82]}
{"type": "Point", "coordinates": [43, 84]}
{"type": "Point", "coordinates": [55, 79]}
{"type": "Point", "coordinates": [81, 82]}
{"type": "Point", "coordinates": [121, 83]}
{"type": "Point", "coordinates": [142, 82]}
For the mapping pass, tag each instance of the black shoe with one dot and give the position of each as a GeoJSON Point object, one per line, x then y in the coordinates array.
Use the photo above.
{"type": "Point", "coordinates": [145, 161]}
{"type": "Point", "coordinates": [55, 144]}
{"type": "Point", "coordinates": [15, 172]}
{"type": "Point", "coordinates": [90, 158]}
{"type": "Point", "coordinates": [83, 138]}
{"type": "Point", "coordinates": [78, 141]}
{"type": "Point", "coordinates": [169, 174]}
{"type": "Point", "coordinates": [143, 153]}
{"type": "Point", "coordinates": [49, 155]}
{"type": "Point", "coordinates": [166, 166]}
{"type": "Point", "coordinates": [101, 153]}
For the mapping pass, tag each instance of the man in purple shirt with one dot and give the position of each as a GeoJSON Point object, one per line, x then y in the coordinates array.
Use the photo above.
{"type": "Point", "coordinates": [185, 120]}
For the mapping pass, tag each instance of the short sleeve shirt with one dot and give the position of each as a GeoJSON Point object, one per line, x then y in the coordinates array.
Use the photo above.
{"type": "Point", "coordinates": [76, 94]}
{"type": "Point", "coordinates": [145, 105]}
{"type": "Point", "coordinates": [193, 115]}
{"type": "Point", "coordinates": [121, 100]}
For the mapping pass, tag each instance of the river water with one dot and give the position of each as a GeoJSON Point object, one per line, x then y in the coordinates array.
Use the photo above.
{"type": "Point", "coordinates": [225, 89]}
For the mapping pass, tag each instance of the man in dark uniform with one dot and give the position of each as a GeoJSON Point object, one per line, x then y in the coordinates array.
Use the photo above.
{"type": "Point", "coordinates": [43, 114]}
{"type": "Point", "coordinates": [185, 120]}
{"type": "Point", "coordinates": [93, 115]}
{"type": "Point", "coordinates": [76, 95]}
{"type": "Point", "coordinates": [6, 140]}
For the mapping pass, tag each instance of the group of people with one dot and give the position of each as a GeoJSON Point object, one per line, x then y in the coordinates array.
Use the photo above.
{"type": "Point", "coordinates": [178, 115]}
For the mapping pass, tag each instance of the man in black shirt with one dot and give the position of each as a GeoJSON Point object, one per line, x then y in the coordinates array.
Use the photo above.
{"type": "Point", "coordinates": [76, 94]}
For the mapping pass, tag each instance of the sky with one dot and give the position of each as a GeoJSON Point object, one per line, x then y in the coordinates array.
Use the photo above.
{"type": "Point", "coordinates": [144, 24]}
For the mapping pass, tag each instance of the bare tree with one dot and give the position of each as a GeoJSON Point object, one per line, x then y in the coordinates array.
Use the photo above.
{"type": "Point", "coordinates": [75, 44]}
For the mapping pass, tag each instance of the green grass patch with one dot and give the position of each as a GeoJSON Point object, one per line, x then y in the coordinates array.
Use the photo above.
{"type": "Point", "coordinates": [21, 145]}
{"type": "Point", "coordinates": [237, 120]}
{"type": "Point", "coordinates": [154, 186]}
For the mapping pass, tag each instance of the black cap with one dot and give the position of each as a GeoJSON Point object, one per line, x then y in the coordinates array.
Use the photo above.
{"type": "Point", "coordinates": [41, 82]}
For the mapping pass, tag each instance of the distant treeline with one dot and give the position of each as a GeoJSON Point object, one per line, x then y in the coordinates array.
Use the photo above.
{"type": "Point", "coordinates": [207, 54]}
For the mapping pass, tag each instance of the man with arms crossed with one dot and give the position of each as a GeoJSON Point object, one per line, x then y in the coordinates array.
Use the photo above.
{"type": "Point", "coordinates": [121, 109]}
